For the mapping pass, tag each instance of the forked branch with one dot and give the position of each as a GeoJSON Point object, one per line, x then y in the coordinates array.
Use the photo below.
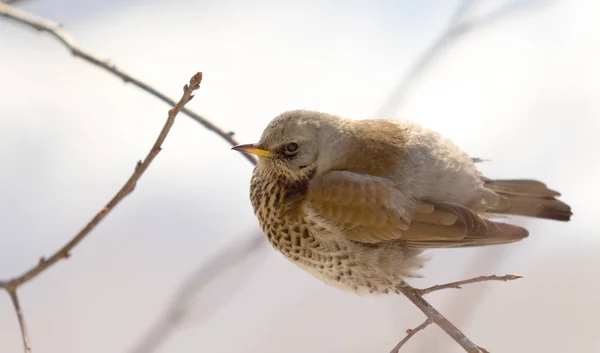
{"type": "Point", "coordinates": [440, 320]}
{"type": "Point", "coordinates": [11, 285]}
{"type": "Point", "coordinates": [433, 316]}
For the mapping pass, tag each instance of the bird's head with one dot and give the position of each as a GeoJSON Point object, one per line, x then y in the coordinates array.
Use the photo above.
{"type": "Point", "coordinates": [297, 144]}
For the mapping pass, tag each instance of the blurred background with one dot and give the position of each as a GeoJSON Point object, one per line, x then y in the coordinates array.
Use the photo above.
{"type": "Point", "coordinates": [518, 84]}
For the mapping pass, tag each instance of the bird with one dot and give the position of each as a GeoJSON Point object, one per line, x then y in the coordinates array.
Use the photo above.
{"type": "Point", "coordinates": [357, 203]}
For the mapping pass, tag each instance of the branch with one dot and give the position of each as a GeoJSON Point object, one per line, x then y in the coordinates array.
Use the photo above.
{"type": "Point", "coordinates": [437, 318]}
{"type": "Point", "coordinates": [458, 284]}
{"type": "Point", "coordinates": [24, 334]}
{"type": "Point", "coordinates": [63, 253]}
{"type": "Point", "coordinates": [57, 32]}
{"type": "Point", "coordinates": [140, 168]}
{"type": "Point", "coordinates": [461, 312]}
{"type": "Point", "coordinates": [416, 297]}
{"type": "Point", "coordinates": [456, 29]}
{"type": "Point", "coordinates": [409, 334]}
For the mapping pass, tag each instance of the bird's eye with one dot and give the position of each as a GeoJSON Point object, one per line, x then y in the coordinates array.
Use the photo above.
{"type": "Point", "coordinates": [291, 148]}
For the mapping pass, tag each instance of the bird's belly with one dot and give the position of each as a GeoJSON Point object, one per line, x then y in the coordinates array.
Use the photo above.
{"type": "Point", "coordinates": [348, 266]}
{"type": "Point", "coordinates": [353, 277]}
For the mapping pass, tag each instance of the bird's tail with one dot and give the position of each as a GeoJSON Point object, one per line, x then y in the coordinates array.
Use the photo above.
{"type": "Point", "coordinates": [527, 198]}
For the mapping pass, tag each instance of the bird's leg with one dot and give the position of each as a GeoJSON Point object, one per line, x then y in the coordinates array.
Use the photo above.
{"type": "Point", "coordinates": [458, 284]}
{"type": "Point", "coordinates": [437, 318]}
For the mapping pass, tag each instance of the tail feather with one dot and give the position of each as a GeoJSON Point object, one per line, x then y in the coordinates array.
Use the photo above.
{"type": "Point", "coordinates": [521, 187]}
{"type": "Point", "coordinates": [527, 198]}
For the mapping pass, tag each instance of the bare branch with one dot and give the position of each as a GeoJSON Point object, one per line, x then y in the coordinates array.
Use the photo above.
{"type": "Point", "coordinates": [57, 32]}
{"type": "Point", "coordinates": [457, 28]}
{"type": "Point", "coordinates": [409, 334]}
{"type": "Point", "coordinates": [436, 317]}
{"type": "Point", "coordinates": [140, 168]}
{"type": "Point", "coordinates": [11, 285]}
{"type": "Point", "coordinates": [12, 292]}
{"type": "Point", "coordinates": [458, 284]}
{"type": "Point", "coordinates": [416, 296]}
{"type": "Point", "coordinates": [486, 260]}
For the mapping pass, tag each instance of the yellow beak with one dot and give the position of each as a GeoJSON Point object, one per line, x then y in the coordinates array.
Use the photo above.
{"type": "Point", "coordinates": [252, 149]}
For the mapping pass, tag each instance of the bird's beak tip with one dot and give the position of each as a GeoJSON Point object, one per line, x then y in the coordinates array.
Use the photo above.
{"type": "Point", "coordinates": [244, 148]}
{"type": "Point", "coordinates": [253, 149]}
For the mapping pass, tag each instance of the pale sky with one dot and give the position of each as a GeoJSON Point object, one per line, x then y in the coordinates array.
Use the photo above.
{"type": "Point", "coordinates": [522, 92]}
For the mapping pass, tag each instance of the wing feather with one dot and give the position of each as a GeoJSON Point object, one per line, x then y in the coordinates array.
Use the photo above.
{"type": "Point", "coordinates": [372, 210]}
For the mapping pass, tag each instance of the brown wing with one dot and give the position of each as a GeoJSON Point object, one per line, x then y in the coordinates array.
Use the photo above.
{"type": "Point", "coordinates": [478, 230]}
{"type": "Point", "coordinates": [372, 210]}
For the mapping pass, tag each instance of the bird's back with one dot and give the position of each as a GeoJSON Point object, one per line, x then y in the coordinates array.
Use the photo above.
{"type": "Point", "coordinates": [433, 168]}
{"type": "Point", "coordinates": [420, 162]}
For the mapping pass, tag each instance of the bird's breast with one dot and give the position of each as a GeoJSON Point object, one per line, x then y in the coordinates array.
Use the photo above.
{"type": "Point", "coordinates": [278, 207]}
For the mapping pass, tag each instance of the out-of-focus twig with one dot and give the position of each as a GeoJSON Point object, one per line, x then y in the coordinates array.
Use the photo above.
{"type": "Point", "coordinates": [11, 285]}
{"type": "Point", "coordinates": [21, 318]}
{"type": "Point", "coordinates": [61, 35]}
{"type": "Point", "coordinates": [457, 28]}
{"type": "Point", "coordinates": [181, 304]}
{"type": "Point", "coordinates": [458, 284]}
{"type": "Point", "coordinates": [409, 334]}
{"type": "Point", "coordinates": [11, 2]}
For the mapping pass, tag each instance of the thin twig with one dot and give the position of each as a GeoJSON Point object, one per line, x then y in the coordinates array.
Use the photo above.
{"type": "Point", "coordinates": [24, 333]}
{"type": "Point", "coordinates": [127, 188]}
{"type": "Point", "coordinates": [436, 317]}
{"type": "Point", "coordinates": [56, 31]}
{"type": "Point", "coordinates": [458, 284]}
{"type": "Point", "coordinates": [410, 333]}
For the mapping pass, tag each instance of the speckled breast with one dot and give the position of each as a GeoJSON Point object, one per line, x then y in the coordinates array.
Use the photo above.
{"type": "Point", "coordinates": [288, 230]}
